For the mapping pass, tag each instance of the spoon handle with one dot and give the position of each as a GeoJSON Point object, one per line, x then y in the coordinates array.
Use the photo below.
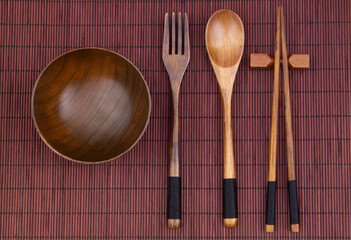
{"type": "Point", "coordinates": [174, 186]}
{"type": "Point", "coordinates": [230, 206]}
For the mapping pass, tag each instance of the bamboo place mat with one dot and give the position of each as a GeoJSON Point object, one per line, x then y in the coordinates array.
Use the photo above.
{"type": "Point", "coordinates": [44, 196]}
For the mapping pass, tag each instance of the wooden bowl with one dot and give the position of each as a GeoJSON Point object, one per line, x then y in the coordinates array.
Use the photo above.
{"type": "Point", "coordinates": [91, 105]}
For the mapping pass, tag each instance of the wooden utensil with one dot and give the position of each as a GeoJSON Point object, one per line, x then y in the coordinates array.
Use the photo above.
{"type": "Point", "coordinates": [298, 61]}
{"type": "Point", "coordinates": [176, 56]}
{"type": "Point", "coordinates": [295, 61]}
{"type": "Point", "coordinates": [91, 105]}
{"type": "Point", "coordinates": [270, 215]}
{"type": "Point", "coordinates": [225, 46]}
{"type": "Point", "coordinates": [293, 203]}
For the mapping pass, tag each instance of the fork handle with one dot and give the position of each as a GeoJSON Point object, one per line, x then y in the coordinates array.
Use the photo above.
{"type": "Point", "coordinates": [174, 183]}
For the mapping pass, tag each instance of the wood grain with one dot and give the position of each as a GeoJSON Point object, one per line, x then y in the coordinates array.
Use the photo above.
{"type": "Point", "coordinates": [272, 163]}
{"type": "Point", "coordinates": [91, 105]}
{"type": "Point", "coordinates": [176, 59]}
{"type": "Point", "coordinates": [287, 101]}
{"type": "Point", "coordinates": [264, 61]}
{"type": "Point", "coordinates": [299, 61]}
{"type": "Point", "coordinates": [225, 53]}
{"type": "Point", "coordinates": [44, 196]}
{"type": "Point", "coordinates": [275, 107]}
{"type": "Point", "coordinates": [225, 45]}
{"type": "Point", "coordinates": [294, 227]}
{"type": "Point", "coordinates": [176, 65]}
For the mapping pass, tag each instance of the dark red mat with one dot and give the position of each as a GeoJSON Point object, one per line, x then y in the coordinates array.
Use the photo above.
{"type": "Point", "coordinates": [44, 196]}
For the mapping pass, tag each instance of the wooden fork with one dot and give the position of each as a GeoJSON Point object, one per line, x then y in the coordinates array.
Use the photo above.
{"type": "Point", "coordinates": [176, 59]}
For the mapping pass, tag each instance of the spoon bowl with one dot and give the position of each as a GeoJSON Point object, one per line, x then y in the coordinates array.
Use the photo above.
{"type": "Point", "coordinates": [225, 38]}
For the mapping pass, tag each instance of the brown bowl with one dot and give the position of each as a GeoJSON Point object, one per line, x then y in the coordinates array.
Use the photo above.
{"type": "Point", "coordinates": [91, 105]}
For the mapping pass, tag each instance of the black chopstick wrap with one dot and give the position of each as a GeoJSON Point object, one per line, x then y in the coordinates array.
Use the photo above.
{"type": "Point", "coordinates": [174, 198]}
{"type": "Point", "coordinates": [294, 210]}
{"type": "Point", "coordinates": [230, 203]}
{"type": "Point", "coordinates": [270, 203]}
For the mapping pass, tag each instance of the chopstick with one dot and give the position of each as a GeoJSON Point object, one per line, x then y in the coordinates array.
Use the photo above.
{"type": "Point", "coordinates": [293, 204]}
{"type": "Point", "coordinates": [270, 214]}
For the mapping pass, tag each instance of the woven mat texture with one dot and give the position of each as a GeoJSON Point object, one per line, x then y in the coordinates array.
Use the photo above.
{"type": "Point", "coordinates": [43, 196]}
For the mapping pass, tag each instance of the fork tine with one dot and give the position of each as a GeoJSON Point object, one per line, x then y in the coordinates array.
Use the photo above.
{"type": "Point", "coordinates": [180, 33]}
{"type": "Point", "coordinates": [165, 47]}
{"type": "Point", "coordinates": [186, 35]}
{"type": "Point", "coordinates": [173, 34]}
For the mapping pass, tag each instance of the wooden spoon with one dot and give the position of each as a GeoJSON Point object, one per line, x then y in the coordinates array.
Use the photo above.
{"type": "Point", "coordinates": [225, 45]}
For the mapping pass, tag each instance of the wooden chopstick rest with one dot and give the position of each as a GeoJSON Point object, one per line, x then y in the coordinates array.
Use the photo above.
{"type": "Point", "coordinates": [264, 61]}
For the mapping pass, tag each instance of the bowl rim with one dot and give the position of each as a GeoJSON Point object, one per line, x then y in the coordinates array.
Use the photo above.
{"type": "Point", "coordinates": [77, 160]}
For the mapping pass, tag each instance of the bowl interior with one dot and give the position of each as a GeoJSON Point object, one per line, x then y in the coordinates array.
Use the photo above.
{"type": "Point", "coordinates": [91, 105]}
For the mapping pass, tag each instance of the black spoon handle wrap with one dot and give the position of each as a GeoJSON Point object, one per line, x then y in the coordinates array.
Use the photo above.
{"type": "Point", "coordinates": [174, 198]}
{"type": "Point", "coordinates": [230, 203]}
